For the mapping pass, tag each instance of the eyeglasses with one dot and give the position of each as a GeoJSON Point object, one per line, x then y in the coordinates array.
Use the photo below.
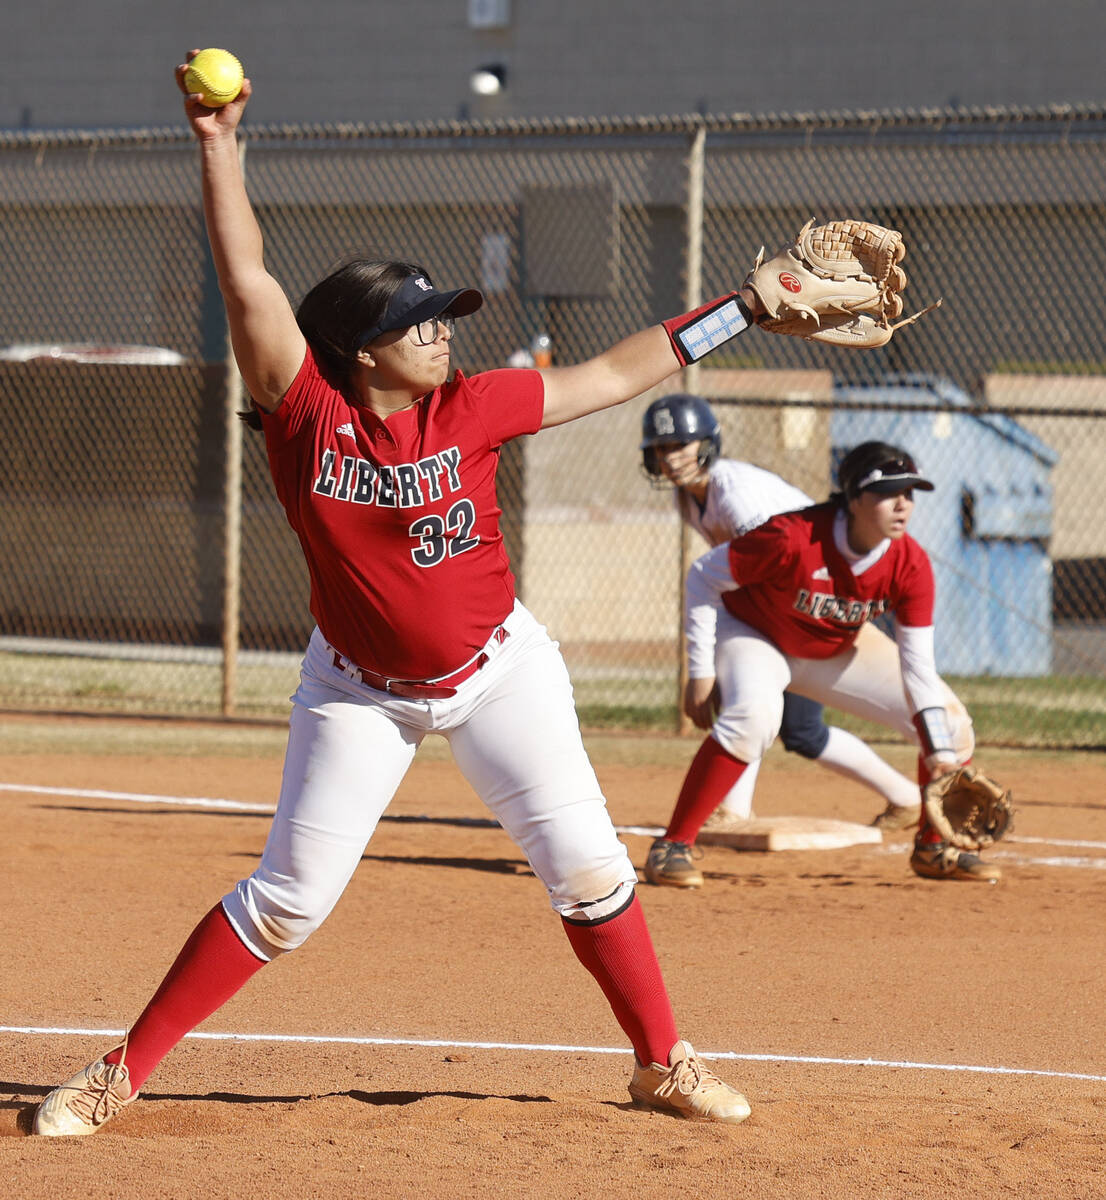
{"type": "Point", "coordinates": [428, 332]}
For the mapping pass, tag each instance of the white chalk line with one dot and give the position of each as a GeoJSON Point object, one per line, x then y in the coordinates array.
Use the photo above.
{"type": "Point", "coordinates": [1081, 863]}
{"type": "Point", "coordinates": [554, 1048]}
{"type": "Point", "coordinates": [1026, 860]}
{"type": "Point", "coordinates": [137, 797]}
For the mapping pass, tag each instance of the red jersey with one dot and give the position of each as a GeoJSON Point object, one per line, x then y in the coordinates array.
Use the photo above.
{"type": "Point", "coordinates": [798, 589]}
{"type": "Point", "coordinates": [398, 519]}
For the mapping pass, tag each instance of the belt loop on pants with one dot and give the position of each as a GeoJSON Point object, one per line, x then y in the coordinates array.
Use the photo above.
{"type": "Point", "coordinates": [417, 689]}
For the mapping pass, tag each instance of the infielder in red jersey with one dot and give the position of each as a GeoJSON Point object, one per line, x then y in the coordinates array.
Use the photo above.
{"type": "Point", "coordinates": [781, 607]}
{"type": "Point", "coordinates": [386, 468]}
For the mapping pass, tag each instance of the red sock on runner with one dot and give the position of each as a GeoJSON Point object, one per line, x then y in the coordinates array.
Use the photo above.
{"type": "Point", "coordinates": [211, 967]}
{"type": "Point", "coordinates": [619, 953]}
{"type": "Point", "coordinates": [712, 773]}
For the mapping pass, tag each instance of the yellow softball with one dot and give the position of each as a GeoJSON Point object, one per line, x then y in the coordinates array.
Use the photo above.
{"type": "Point", "coordinates": [215, 76]}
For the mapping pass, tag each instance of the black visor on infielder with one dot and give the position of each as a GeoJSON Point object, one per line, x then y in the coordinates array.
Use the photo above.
{"type": "Point", "coordinates": [416, 300]}
{"type": "Point", "coordinates": [882, 468]}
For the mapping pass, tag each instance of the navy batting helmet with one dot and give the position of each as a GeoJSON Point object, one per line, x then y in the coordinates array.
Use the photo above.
{"type": "Point", "coordinates": [676, 420]}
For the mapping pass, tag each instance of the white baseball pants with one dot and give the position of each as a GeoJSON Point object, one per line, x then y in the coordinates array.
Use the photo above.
{"type": "Point", "coordinates": [514, 734]}
{"type": "Point", "coordinates": [865, 680]}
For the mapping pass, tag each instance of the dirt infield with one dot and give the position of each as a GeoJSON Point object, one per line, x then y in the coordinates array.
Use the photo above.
{"type": "Point", "coordinates": [896, 1037]}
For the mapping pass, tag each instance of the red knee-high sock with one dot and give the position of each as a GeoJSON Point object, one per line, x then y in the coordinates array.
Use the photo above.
{"type": "Point", "coordinates": [211, 967]}
{"type": "Point", "coordinates": [712, 773]}
{"type": "Point", "coordinates": [619, 953]}
{"type": "Point", "coordinates": [926, 835]}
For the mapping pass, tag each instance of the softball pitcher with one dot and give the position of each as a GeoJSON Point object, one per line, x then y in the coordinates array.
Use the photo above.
{"type": "Point", "coordinates": [720, 498]}
{"type": "Point", "coordinates": [782, 607]}
{"type": "Point", "coordinates": [385, 467]}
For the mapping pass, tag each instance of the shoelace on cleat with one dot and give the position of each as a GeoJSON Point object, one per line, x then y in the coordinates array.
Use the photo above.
{"type": "Point", "coordinates": [687, 1077]}
{"type": "Point", "coordinates": [681, 852]}
{"type": "Point", "coordinates": [96, 1100]}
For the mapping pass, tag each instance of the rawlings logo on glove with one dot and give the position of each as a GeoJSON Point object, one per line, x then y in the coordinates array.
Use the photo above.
{"type": "Point", "coordinates": [969, 810]}
{"type": "Point", "coordinates": [839, 283]}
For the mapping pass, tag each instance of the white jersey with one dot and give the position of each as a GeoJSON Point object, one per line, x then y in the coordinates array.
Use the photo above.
{"type": "Point", "coordinates": [739, 498]}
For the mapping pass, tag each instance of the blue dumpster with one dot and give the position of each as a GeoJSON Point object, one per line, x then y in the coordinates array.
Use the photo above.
{"type": "Point", "coordinates": [986, 526]}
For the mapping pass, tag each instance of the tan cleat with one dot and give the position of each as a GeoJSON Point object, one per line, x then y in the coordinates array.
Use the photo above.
{"type": "Point", "coordinates": [669, 865]}
{"type": "Point", "coordinates": [82, 1105]}
{"type": "Point", "coordinates": [687, 1088]}
{"type": "Point", "coordinates": [939, 860]}
{"type": "Point", "coordinates": [898, 816]}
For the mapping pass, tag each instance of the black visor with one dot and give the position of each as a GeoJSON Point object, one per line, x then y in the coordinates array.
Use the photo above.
{"type": "Point", "coordinates": [417, 300]}
{"type": "Point", "coordinates": [895, 475]}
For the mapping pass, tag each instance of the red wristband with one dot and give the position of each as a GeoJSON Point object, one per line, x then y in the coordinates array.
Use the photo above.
{"type": "Point", "coordinates": [695, 334]}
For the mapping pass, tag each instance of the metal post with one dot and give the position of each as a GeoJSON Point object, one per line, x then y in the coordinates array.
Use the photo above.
{"type": "Point", "coordinates": [693, 297]}
{"type": "Point", "coordinates": [232, 514]}
{"type": "Point", "coordinates": [693, 283]}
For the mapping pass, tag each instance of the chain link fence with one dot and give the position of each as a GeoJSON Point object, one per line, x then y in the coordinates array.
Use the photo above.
{"type": "Point", "coordinates": [147, 567]}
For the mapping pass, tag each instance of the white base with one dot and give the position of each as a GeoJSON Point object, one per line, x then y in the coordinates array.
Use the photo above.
{"type": "Point", "coordinates": [792, 833]}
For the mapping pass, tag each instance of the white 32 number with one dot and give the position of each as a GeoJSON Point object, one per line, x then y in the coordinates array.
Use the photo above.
{"type": "Point", "coordinates": [441, 536]}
